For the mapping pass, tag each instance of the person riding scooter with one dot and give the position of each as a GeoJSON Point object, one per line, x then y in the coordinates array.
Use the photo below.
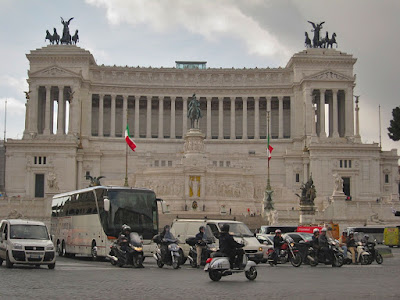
{"type": "Point", "coordinates": [123, 241]}
{"type": "Point", "coordinates": [324, 245]}
{"type": "Point", "coordinates": [278, 242]}
{"type": "Point", "coordinates": [365, 241]}
{"type": "Point", "coordinates": [230, 247]}
{"type": "Point", "coordinates": [166, 236]}
{"type": "Point", "coordinates": [351, 245]}
{"type": "Point", "coordinates": [343, 243]}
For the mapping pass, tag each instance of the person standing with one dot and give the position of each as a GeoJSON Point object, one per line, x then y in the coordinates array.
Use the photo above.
{"type": "Point", "coordinates": [200, 244]}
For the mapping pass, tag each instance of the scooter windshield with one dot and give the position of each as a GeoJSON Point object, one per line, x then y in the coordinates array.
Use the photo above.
{"type": "Point", "coordinates": [135, 239]}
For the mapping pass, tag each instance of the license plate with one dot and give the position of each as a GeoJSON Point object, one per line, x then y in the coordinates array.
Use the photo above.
{"type": "Point", "coordinates": [34, 256]}
{"type": "Point", "coordinates": [251, 255]}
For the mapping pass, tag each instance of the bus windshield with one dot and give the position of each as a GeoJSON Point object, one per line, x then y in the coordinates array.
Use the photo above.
{"type": "Point", "coordinates": [138, 209]}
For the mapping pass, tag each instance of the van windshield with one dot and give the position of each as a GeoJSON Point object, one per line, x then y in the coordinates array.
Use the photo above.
{"type": "Point", "coordinates": [238, 229]}
{"type": "Point", "coordinates": [31, 232]}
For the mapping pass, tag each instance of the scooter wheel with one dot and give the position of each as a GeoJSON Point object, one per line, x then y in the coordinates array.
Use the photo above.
{"type": "Point", "coordinates": [215, 275]}
{"type": "Point", "coordinates": [175, 265]}
{"type": "Point", "coordinates": [379, 258]}
{"type": "Point", "coordinates": [160, 264]}
{"type": "Point", "coordinates": [251, 274]}
{"type": "Point", "coordinates": [364, 259]}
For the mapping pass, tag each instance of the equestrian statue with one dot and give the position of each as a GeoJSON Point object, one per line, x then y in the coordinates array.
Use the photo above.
{"type": "Point", "coordinates": [194, 112]}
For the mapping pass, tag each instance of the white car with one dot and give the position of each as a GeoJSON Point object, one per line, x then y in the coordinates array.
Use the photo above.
{"type": "Point", "coordinates": [26, 242]}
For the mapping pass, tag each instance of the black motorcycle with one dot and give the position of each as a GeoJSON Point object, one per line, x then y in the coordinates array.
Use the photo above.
{"type": "Point", "coordinates": [208, 248]}
{"type": "Point", "coordinates": [373, 253]}
{"type": "Point", "coordinates": [314, 256]}
{"type": "Point", "coordinates": [127, 252]}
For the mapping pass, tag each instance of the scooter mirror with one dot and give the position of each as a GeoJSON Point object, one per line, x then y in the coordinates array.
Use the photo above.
{"type": "Point", "coordinates": [106, 204]}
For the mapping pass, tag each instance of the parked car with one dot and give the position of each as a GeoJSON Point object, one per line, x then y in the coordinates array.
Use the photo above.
{"type": "Point", "coordinates": [185, 228]}
{"type": "Point", "coordinates": [26, 242]}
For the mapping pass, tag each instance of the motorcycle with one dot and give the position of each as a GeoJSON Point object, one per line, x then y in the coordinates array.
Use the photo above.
{"type": "Point", "coordinates": [288, 252]}
{"type": "Point", "coordinates": [208, 248]}
{"type": "Point", "coordinates": [128, 252]}
{"type": "Point", "coordinates": [168, 252]}
{"type": "Point", "coordinates": [218, 266]}
{"type": "Point", "coordinates": [373, 253]}
{"type": "Point", "coordinates": [315, 257]}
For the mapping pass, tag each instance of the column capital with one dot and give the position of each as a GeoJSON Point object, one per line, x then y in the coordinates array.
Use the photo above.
{"type": "Point", "coordinates": [335, 91]}
{"type": "Point", "coordinates": [322, 91]}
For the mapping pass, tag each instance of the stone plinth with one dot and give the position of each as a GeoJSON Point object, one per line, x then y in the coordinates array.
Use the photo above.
{"type": "Point", "coordinates": [307, 214]}
{"type": "Point", "coordinates": [337, 210]}
{"type": "Point", "coordinates": [194, 148]}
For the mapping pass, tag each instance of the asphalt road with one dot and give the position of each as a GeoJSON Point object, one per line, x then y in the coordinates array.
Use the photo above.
{"type": "Point", "coordinates": [81, 278]}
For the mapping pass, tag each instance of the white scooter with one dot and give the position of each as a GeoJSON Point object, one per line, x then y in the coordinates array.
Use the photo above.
{"type": "Point", "coordinates": [219, 266]}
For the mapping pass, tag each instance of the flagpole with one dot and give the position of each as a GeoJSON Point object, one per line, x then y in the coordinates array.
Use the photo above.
{"type": "Point", "coordinates": [126, 155]}
{"type": "Point", "coordinates": [268, 181]}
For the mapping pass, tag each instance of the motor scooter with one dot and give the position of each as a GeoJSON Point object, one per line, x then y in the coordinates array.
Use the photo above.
{"type": "Point", "coordinates": [127, 253]}
{"type": "Point", "coordinates": [172, 255]}
{"type": "Point", "coordinates": [373, 253]}
{"type": "Point", "coordinates": [208, 248]}
{"type": "Point", "coordinates": [218, 266]}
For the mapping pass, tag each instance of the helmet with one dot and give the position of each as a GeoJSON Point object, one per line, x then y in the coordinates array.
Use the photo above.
{"type": "Point", "coordinates": [278, 231]}
{"type": "Point", "coordinates": [225, 228]}
{"type": "Point", "coordinates": [366, 236]}
{"type": "Point", "coordinates": [323, 229]}
{"type": "Point", "coordinates": [167, 227]}
{"type": "Point", "coordinates": [316, 230]}
{"type": "Point", "coordinates": [344, 231]}
{"type": "Point", "coordinates": [126, 227]}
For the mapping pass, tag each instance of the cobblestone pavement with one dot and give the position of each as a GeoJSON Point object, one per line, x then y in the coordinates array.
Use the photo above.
{"type": "Point", "coordinates": [81, 278]}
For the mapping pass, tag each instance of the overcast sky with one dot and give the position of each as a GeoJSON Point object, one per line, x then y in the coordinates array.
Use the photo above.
{"type": "Point", "coordinates": [225, 33]}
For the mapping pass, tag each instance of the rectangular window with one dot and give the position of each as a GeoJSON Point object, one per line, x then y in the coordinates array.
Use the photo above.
{"type": "Point", "coordinates": [156, 163]}
{"type": "Point", "coordinates": [40, 160]}
{"type": "Point", "coordinates": [35, 160]}
{"type": "Point", "coordinates": [341, 163]}
{"type": "Point", "coordinates": [345, 163]}
{"type": "Point", "coordinates": [386, 178]}
{"type": "Point", "coordinates": [297, 177]}
{"type": "Point", "coordinates": [214, 163]}
{"type": "Point", "coordinates": [349, 163]}
{"type": "Point", "coordinates": [39, 185]}
{"type": "Point", "coordinates": [163, 163]}
{"type": "Point", "coordinates": [228, 163]}
{"type": "Point", "coordinates": [44, 160]}
{"type": "Point", "coordinates": [170, 163]}
{"type": "Point", "coordinates": [221, 163]}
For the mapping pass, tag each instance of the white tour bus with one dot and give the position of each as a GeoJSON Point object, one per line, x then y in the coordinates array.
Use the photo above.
{"type": "Point", "coordinates": [87, 221]}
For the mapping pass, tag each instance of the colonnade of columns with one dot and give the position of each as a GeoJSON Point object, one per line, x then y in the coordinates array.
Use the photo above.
{"type": "Point", "coordinates": [40, 109]}
{"type": "Point", "coordinates": [214, 116]}
{"type": "Point", "coordinates": [339, 103]}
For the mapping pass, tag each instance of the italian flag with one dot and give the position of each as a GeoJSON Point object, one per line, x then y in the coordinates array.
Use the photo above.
{"type": "Point", "coordinates": [128, 140]}
{"type": "Point", "coordinates": [269, 150]}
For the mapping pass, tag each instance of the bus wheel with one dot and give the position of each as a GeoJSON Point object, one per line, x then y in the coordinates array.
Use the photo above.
{"type": "Point", "coordinates": [93, 251]}
{"type": "Point", "coordinates": [61, 249]}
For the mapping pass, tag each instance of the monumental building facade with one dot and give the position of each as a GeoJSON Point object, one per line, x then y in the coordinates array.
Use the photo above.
{"type": "Point", "coordinates": [77, 112]}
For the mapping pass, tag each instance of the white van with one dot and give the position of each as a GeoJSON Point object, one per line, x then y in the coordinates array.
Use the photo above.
{"type": "Point", "coordinates": [26, 242]}
{"type": "Point", "coordinates": [185, 228]}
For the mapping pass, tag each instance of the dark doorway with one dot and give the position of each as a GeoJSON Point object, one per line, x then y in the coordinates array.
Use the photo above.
{"type": "Point", "coordinates": [346, 186]}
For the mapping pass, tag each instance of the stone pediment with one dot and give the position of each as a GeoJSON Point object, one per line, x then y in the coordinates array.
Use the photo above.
{"type": "Point", "coordinates": [54, 71]}
{"type": "Point", "coordinates": [329, 75]}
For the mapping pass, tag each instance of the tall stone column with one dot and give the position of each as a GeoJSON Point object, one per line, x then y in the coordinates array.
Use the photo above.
{"type": "Point", "coordinates": [101, 114]}
{"type": "Point", "coordinates": [73, 115]}
{"type": "Point", "coordinates": [160, 117]}
{"type": "Point", "coordinates": [61, 115]}
{"type": "Point", "coordinates": [308, 111]}
{"type": "Point", "coordinates": [257, 118]}
{"type": "Point", "coordinates": [335, 133]}
{"type": "Point", "coordinates": [112, 127]}
{"type": "Point", "coordinates": [209, 118]}
{"type": "Point", "coordinates": [322, 132]}
{"type": "Point", "coordinates": [233, 122]}
{"type": "Point", "coordinates": [47, 111]}
{"type": "Point", "coordinates": [148, 119]}
{"type": "Point", "coordinates": [244, 118]}
{"type": "Point", "coordinates": [357, 118]}
{"type": "Point", "coordinates": [349, 113]}
{"type": "Point", "coordinates": [124, 113]}
{"type": "Point", "coordinates": [280, 99]}
{"type": "Point", "coordinates": [33, 109]}
{"type": "Point", "coordinates": [184, 116]}
{"type": "Point", "coordinates": [221, 118]}
{"type": "Point", "coordinates": [173, 117]}
{"type": "Point", "coordinates": [313, 124]}
{"type": "Point", "coordinates": [137, 132]}
{"type": "Point", "coordinates": [266, 117]}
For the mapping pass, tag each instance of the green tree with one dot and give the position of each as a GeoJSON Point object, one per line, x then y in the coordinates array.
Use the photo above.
{"type": "Point", "coordinates": [394, 128]}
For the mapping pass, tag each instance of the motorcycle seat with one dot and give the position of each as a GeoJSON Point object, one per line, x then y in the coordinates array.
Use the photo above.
{"type": "Point", "coordinates": [218, 254]}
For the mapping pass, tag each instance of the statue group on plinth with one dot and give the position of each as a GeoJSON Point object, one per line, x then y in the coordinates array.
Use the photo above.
{"type": "Point", "coordinates": [194, 112]}
{"type": "Point", "coordinates": [66, 38]}
{"type": "Point", "coordinates": [317, 41]}
{"type": "Point", "coordinates": [308, 193]}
